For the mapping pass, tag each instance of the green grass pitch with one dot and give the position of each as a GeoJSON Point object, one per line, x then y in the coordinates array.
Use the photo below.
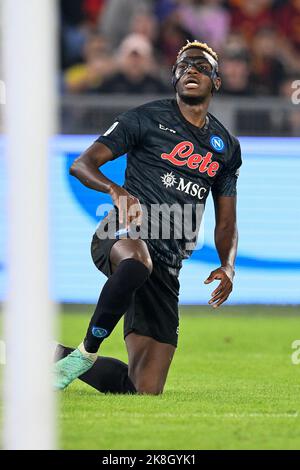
{"type": "Point", "coordinates": [232, 385]}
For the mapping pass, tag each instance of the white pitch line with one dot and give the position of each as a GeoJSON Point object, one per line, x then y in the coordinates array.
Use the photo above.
{"type": "Point", "coordinates": [207, 415]}
{"type": "Point", "coordinates": [256, 415]}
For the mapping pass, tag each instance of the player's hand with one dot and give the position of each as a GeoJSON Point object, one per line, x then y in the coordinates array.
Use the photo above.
{"type": "Point", "coordinates": [129, 206]}
{"type": "Point", "coordinates": [224, 289]}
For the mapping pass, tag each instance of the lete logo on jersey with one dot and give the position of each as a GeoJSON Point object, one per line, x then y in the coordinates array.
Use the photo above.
{"type": "Point", "coordinates": [194, 161]}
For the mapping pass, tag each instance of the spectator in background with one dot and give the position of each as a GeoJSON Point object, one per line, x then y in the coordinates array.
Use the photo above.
{"type": "Point", "coordinates": [172, 37]}
{"type": "Point", "coordinates": [288, 21]}
{"type": "Point", "coordinates": [235, 73]}
{"type": "Point", "coordinates": [145, 24]}
{"type": "Point", "coordinates": [72, 12]}
{"type": "Point", "coordinates": [88, 76]}
{"type": "Point", "coordinates": [164, 8]}
{"type": "Point", "coordinates": [137, 69]}
{"type": "Point", "coordinates": [78, 20]}
{"type": "Point", "coordinates": [236, 44]}
{"type": "Point", "coordinates": [267, 68]}
{"type": "Point", "coordinates": [288, 25]}
{"type": "Point", "coordinates": [249, 17]}
{"type": "Point", "coordinates": [254, 52]}
{"type": "Point", "coordinates": [117, 17]}
{"type": "Point", "coordinates": [206, 20]}
{"type": "Point", "coordinates": [74, 31]}
{"type": "Point", "coordinates": [93, 9]}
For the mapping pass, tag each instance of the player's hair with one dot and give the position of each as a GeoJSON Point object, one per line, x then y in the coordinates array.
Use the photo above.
{"type": "Point", "coordinates": [200, 45]}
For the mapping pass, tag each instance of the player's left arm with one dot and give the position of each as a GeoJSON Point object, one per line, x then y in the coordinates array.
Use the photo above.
{"type": "Point", "coordinates": [226, 241]}
{"type": "Point", "coordinates": [224, 191]}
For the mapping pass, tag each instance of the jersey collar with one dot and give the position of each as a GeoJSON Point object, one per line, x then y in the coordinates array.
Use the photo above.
{"type": "Point", "coordinates": [203, 130]}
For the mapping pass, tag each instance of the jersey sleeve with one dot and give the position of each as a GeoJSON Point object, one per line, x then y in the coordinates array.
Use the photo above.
{"type": "Point", "coordinates": [226, 182]}
{"type": "Point", "coordinates": [123, 135]}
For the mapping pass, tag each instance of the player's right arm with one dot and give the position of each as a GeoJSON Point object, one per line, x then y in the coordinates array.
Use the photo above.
{"type": "Point", "coordinates": [86, 169]}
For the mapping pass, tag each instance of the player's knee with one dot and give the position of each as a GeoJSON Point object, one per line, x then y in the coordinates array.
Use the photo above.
{"type": "Point", "coordinates": [149, 389]}
{"type": "Point", "coordinates": [144, 259]}
{"type": "Point", "coordinates": [131, 249]}
{"type": "Point", "coordinates": [147, 386]}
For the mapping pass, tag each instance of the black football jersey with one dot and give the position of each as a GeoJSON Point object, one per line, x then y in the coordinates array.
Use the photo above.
{"type": "Point", "coordinates": [173, 164]}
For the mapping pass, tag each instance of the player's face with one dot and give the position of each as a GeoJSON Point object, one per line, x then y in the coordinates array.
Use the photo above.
{"type": "Point", "coordinates": [193, 85]}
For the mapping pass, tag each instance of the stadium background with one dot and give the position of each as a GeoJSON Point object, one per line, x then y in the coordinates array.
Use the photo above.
{"type": "Point", "coordinates": [110, 62]}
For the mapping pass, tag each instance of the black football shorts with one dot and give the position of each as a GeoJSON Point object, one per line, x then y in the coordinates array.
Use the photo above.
{"type": "Point", "coordinates": [154, 308]}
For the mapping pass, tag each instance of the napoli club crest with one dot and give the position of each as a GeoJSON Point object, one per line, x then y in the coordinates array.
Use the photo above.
{"type": "Point", "coordinates": [217, 143]}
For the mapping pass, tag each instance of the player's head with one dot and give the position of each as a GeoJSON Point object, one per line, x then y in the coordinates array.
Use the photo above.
{"type": "Point", "coordinates": [195, 74]}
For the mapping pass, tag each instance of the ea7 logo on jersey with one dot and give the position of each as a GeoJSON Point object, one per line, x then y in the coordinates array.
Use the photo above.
{"type": "Point", "coordinates": [194, 161]}
{"type": "Point", "coordinates": [163, 128]}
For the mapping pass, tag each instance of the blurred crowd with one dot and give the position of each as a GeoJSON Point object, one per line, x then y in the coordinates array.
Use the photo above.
{"type": "Point", "coordinates": [129, 46]}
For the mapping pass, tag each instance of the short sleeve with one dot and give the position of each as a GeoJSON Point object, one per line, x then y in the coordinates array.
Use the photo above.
{"type": "Point", "coordinates": [123, 135]}
{"type": "Point", "coordinates": [226, 182]}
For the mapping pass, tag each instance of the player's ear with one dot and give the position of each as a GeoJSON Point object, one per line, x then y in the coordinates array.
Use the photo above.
{"type": "Point", "coordinates": [174, 80]}
{"type": "Point", "coordinates": [218, 83]}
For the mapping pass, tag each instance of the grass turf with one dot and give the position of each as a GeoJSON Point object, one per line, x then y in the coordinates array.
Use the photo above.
{"type": "Point", "coordinates": [232, 385]}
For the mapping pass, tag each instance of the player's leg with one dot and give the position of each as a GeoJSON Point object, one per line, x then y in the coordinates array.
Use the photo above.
{"type": "Point", "coordinates": [130, 267]}
{"type": "Point", "coordinates": [149, 362]}
{"type": "Point", "coordinates": [151, 330]}
{"type": "Point", "coordinates": [150, 327]}
{"type": "Point", "coordinates": [108, 375]}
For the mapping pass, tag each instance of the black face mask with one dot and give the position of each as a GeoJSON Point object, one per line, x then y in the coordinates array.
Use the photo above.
{"type": "Point", "coordinates": [202, 65]}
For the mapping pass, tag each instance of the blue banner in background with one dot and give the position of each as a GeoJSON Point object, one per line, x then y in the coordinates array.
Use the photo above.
{"type": "Point", "coordinates": [268, 265]}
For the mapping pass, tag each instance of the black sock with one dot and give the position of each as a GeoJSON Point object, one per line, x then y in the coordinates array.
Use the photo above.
{"type": "Point", "coordinates": [107, 375]}
{"type": "Point", "coordinates": [114, 300]}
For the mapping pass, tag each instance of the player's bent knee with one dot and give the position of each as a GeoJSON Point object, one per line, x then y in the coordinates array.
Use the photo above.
{"type": "Point", "coordinates": [141, 253]}
{"type": "Point", "coordinates": [146, 260]}
{"type": "Point", "coordinates": [149, 390]}
{"type": "Point", "coordinates": [146, 386]}
{"type": "Point", "coordinates": [131, 249]}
